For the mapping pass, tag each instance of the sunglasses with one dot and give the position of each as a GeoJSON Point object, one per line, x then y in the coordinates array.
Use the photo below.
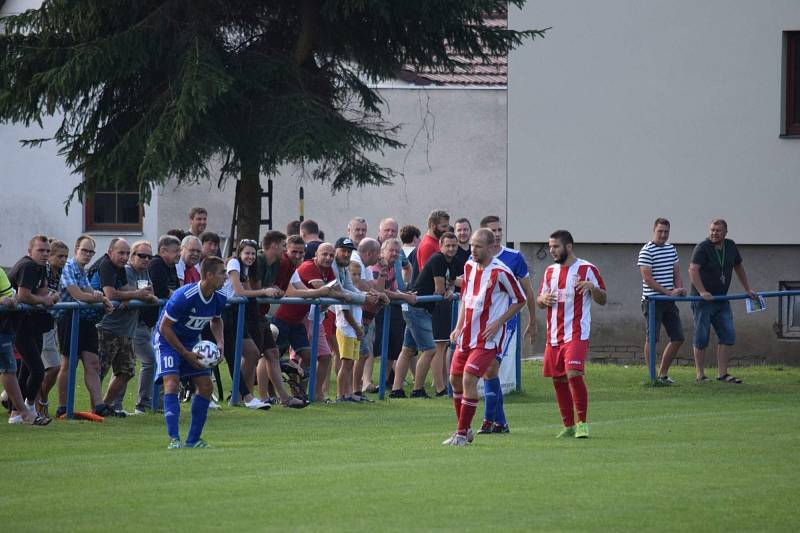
{"type": "Point", "coordinates": [143, 256]}
{"type": "Point", "coordinates": [87, 252]}
{"type": "Point", "coordinates": [248, 242]}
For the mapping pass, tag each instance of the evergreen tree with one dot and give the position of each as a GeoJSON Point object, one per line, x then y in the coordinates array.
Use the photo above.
{"type": "Point", "coordinates": [152, 90]}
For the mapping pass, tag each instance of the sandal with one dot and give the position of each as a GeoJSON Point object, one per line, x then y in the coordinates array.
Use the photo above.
{"type": "Point", "coordinates": [703, 379]}
{"type": "Point", "coordinates": [295, 403]}
{"type": "Point", "coordinates": [727, 378]}
{"type": "Point", "coordinates": [40, 421]}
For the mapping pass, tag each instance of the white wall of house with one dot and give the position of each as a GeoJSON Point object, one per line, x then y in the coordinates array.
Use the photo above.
{"type": "Point", "coordinates": [629, 110]}
{"type": "Point", "coordinates": [34, 184]}
{"type": "Point", "coordinates": [455, 159]}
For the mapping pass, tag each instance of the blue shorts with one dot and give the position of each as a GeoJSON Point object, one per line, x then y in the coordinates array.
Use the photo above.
{"type": "Point", "coordinates": [716, 314]}
{"type": "Point", "coordinates": [8, 365]}
{"type": "Point", "coordinates": [294, 335]}
{"type": "Point", "coordinates": [419, 329]}
{"type": "Point", "coordinates": [170, 362]}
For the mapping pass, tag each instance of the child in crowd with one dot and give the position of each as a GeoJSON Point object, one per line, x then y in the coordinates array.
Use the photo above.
{"type": "Point", "coordinates": [348, 333]}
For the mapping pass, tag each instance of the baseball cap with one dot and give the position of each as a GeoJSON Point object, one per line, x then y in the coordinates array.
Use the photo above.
{"type": "Point", "coordinates": [345, 242]}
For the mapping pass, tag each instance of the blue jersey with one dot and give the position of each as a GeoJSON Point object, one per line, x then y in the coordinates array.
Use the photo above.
{"type": "Point", "coordinates": [190, 313]}
{"type": "Point", "coordinates": [515, 262]}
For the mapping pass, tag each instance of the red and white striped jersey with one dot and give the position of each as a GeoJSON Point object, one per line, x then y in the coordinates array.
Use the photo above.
{"type": "Point", "coordinates": [569, 318]}
{"type": "Point", "coordinates": [486, 293]}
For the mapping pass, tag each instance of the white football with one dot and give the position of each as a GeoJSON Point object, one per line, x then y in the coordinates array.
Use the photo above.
{"type": "Point", "coordinates": [210, 356]}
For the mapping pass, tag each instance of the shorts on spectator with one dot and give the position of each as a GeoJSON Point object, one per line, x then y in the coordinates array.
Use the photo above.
{"type": "Point", "coordinates": [365, 347]}
{"type": "Point", "coordinates": [323, 348]}
{"type": "Point", "coordinates": [397, 329]}
{"type": "Point", "coordinates": [716, 314]}
{"type": "Point", "coordinates": [475, 361]}
{"type": "Point", "coordinates": [116, 353]}
{"type": "Point", "coordinates": [8, 365]}
{"type": "Point", "coordinates": [348, 346]}
{"type": "Point", "coordinates": [419, 329]}
{"type": "Point", "coordinates": [87, 335]}
{"type": "Point", "coordinates": [294, 335]}
{"type": "Point", "coordinates": [50, 355]}
{"type": "Point", "coordinates": [229, 319]}
{"type": "Point", "coordinates": [666, 313]}
{"type": "Point", "coordinates": [562, 357]}
{"type": "Point", "coordinates": [442, 321]}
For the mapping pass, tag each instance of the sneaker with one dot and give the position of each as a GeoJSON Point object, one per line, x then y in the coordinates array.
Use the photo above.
{"type": "Point", "coordinates": [500, 428]}
{"type": "Point", "coordinates": [441, 393]}
{"type": "Point", "coordinates": [199, 444]}
{"type": "Point", "coordinates": [581, 430]}
{"type": "Point", "coordinates": [665, 380]}
{"type": "Point", "coordinates": [470, 435]}
{"type": "Point", "coordinates": [449, 440]}
{"type": "Point", "coordinates": [459, 440]}
{"type": "Point", "coordinates": [139, 409]}
{"type": "Point", "coordinates": [214, 405]}
{"type": "Point", "coordinates": [419, 393]}
{"type": "Point", "coordinates": [346, 399]}
{"type": "Point", "coordinates": [102, 410]}
{"type": "Point", "coordinates": [255, 403]}
{"type": "Point", "coordinates": [566, 432]}
{"type": "Point", "coordinates": [174, 444]}
{"type": "Point", "coordinates": [372, 389]}
{"type": "Point", "coordinates": [15, 419]}
{"type": "Point", "coordinates": [362, 398]}
{"type": "Point", "coordinates": [486, 427]}
{"type": "Point", "coordinates": [399, 393]}
{"type": "Point", "coordinates": [117, 414]}
{"type": "Point", "coordinates": [61, 411]}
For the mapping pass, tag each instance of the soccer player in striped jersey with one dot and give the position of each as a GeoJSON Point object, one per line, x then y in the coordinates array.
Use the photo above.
{"type": "Point", "coordinates": [567, 290]}
{"type": "Point", "coordinates": [185, 315]}
{"type": "Point", "coordinates": [494, 417]}
{"type": "Point", "coordinates": [658, 264]}
{"type": "Point", "coordinates": [490, 296]}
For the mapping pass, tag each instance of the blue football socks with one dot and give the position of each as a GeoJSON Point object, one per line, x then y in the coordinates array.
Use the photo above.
{"type": "Point", "coordinates": [199, 416]}
{"type": "Point", "coordinates": [172, 414]}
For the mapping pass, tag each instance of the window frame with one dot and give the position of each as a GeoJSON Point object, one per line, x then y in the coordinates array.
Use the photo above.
{"type": "Point", "coordinates": [791, 83]}
{"type": "Point", "coordinates": [89, 210]}
{"type": "Point", "coordinates": [788, 330]}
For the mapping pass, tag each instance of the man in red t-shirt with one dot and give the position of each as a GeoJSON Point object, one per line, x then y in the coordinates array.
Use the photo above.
{"type": "Point", "coordinates": [438, 223]}
{"type": "Point", "coordinates": [308, 281]}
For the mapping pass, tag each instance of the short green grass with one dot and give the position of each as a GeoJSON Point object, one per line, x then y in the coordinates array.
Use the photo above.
{"type": "Point", "coordinates": [711, 457]}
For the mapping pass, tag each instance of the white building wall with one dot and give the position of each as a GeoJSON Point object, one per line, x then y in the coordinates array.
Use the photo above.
{"type": "Point", "coordinates": [629, 110]}
{"type": "Point", "coordinates": [34, 184]}
{"type": "Point", "coordinates": [455, 159]}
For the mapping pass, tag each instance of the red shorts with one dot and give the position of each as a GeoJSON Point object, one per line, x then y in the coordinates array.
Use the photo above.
{"type": "Point", "coordinates": [567, 356]}
{"type": "Point", "coordinates": [476, 361]}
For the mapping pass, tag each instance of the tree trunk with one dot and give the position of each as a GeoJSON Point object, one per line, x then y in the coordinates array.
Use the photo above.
{"type": "Point", "coordinates": [248, 218]}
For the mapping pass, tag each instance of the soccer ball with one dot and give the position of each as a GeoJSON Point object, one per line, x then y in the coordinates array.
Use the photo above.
{"type": "Point", "coordinates": [210, 356]}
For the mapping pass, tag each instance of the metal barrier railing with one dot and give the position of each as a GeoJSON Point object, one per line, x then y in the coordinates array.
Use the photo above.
{"type": "Point", "coordinates": [240, 321]}
{"type": "Point", "coordinates": [651, 315]}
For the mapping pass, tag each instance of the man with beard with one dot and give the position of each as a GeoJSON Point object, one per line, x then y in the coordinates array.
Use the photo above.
{"type": "Point", "coordinates": [567, 290]}
{"type": "Point", "coordinates": [438, 223]}
{"type": "Point", "coordinates": [481, 325]}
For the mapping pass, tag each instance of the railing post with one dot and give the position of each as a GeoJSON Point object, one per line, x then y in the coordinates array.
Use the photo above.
{"type": "Point", "coordinates": [73, 362]}
{"type": "Point", "coordinates": [451, 346]}
{"type": "Point", "coordinates": [155, 390]}
{"type": "Point", "coordinates": [518, 356]}
{"type": "Point", "coordinates": [651, 337]}
{"type": "Point", "coordinates": [237, 355]}
{"type": "Point", "coordinates": [312, 378]}
{"type": "Point", "coordinates": [387, 316]}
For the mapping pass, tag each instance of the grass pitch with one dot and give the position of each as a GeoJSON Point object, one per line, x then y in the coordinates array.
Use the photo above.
{"type": "Point", "coordinates": [710, 457]}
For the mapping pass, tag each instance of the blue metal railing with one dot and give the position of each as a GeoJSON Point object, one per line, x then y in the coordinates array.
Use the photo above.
{"type": "Point", "coordinates": [240, 322]}
{"type": "Point", "coordinates": [651, 315]}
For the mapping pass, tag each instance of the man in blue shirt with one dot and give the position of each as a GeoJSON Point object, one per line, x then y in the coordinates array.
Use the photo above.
{"type": "Point", "coordinates": [185, 315]}
{"type": "Point", "coordinates": [494, 418]}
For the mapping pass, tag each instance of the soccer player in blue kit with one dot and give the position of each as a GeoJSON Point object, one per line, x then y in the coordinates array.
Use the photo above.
{"type": "Point", "coordinates": [185, 315]}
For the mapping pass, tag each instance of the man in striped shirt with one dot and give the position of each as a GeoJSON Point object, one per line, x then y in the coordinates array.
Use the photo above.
{"type": "Point", "coordinates": [490, 296]}
{"type": "Point", "coordinates": [658, 263]}
{"type": "Point", "coordinates": [567, 290]}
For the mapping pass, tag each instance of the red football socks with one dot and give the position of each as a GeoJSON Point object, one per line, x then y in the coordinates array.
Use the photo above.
{"type": "Point", "coordinates": [564, 399]}
{"type": "Point", "coordinates": [468, 408]}
{"type": "Point", "coordinates": [580, 397]}
{"type": "Point", "coordinates": [457, 404]}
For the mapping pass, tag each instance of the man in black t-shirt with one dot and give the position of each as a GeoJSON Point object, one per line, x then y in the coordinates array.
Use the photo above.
{"type": "Point", "coordinates": [455, 258]}
{"type": "Point", "coordinates": [29, 277]}
{"type": "Point", "coordinates": [713, 262]}
{"type": "Point", "coordinates": [419, 327]}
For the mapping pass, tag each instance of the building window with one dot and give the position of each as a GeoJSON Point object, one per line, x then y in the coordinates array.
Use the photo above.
{"type": "Point", "coordinates": [790, 311]}
{"type": "Point", "coordinates": [113, 211]}
{"type": "Point", "coordinates": [792, 76]}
